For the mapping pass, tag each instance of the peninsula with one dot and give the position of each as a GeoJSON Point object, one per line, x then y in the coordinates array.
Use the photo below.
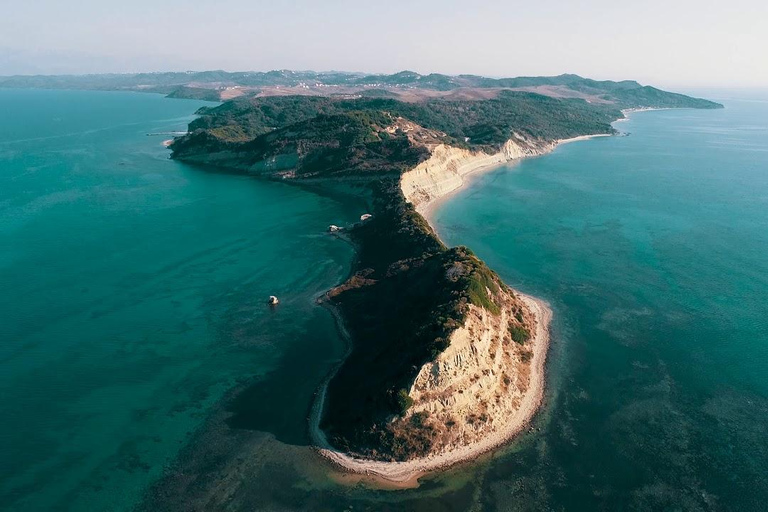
{"type": "Point", "coordinates": [445, 361]}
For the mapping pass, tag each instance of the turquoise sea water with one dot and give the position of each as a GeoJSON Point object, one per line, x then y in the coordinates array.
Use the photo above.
{"type": "Point", "coordinates": [132, 293]}
{"type": "Point", "coordinates": [653, 250]}
{"type": "Point", "coordinates": [135, 342]}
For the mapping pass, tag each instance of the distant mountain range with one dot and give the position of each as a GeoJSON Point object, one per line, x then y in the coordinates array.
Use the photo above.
{"type": "Point", "coordinates": [409, 85]}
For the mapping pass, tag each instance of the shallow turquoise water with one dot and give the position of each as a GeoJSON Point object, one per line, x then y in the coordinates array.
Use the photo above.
{"type": "Point", "coordinates": [652, 249]}
{"type": "Point", "coordinates": [132, 293]}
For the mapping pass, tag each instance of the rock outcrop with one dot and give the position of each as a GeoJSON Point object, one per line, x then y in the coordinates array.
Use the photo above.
{"type": "Point", "coordinates": [474, 388]}
{"type": "Point", "coordinates": [444, 171]}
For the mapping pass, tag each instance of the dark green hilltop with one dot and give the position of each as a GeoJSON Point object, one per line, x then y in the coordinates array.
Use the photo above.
{"type": "Point", "coordinates": [400, 303]}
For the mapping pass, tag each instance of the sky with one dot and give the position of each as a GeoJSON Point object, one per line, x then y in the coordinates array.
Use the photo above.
{"type": "Point", "coordinates": [683, 43]}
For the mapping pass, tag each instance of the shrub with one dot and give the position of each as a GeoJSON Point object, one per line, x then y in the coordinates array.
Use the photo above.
{"type": "Point", "coordinates": [519, 334]}
{"type": "Point", "coordinates": [404, 401]}
{"type": "Point", "coordinates": [479, 285]}
{"type": "Point", "coordinates": [419, 419]}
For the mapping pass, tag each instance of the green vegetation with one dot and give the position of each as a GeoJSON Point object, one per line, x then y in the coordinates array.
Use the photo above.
{"type": "Point", "coordinates": [519, 334]}
{"type": "Point", "coordinates": [195, 93]}
{"type": "Point", "coordinates": [478, 124]}
{"type": "Point", "coordinates": [482, 286]}
{"type": "Point", "coordinates": [651, 97]}
{"type": "Point", "coordinates": [258, 116]}
{"type": "Point", "coordinates": [419, 419]}
{"type": "Point", "coordinates": [404, 401]}
{"type": "Point", "coordinates": [492, 122]}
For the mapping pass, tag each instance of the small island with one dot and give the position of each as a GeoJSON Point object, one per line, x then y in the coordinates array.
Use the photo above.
{"type": "Point", "coordinates": [445, 361]}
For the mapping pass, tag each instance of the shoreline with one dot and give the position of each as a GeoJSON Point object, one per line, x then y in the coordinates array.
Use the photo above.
{"type": "Point", "coordinates": [428, 208]}
{"type": "Point", "coordinates": [628, 111]}
{"type": "Point", "coordinates": [407, 473]}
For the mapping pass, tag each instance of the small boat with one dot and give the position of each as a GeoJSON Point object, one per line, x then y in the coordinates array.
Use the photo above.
{"type": "Point", "coordinates": [273, 301]}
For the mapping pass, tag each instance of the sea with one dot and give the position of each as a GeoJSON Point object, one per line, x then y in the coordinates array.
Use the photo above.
{"type": "Point", "coordinates": [141, 368]}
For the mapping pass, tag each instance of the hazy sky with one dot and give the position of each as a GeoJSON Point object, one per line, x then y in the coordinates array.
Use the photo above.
{"type": "Point", "coordinates": [663, 42]}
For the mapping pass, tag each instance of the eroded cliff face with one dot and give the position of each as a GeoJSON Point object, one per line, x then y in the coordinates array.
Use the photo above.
{"type": "Point", "coordinates": [476, 388]}
{"type": "Point", "coordinates": [447, 166]}
{"type": "Point", "coordinates": [482, 385]}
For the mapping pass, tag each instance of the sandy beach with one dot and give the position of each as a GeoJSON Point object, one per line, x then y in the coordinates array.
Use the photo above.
{"type": "Point", "coordinates": [406, 474]}
{"type": "Point", "coordinates": [628, 111]}
{"type": "Point", "coordinates": [428, 208]}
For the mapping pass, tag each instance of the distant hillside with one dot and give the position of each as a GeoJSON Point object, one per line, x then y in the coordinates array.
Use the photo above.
{"type": "Point", "coordinates": [463, 123]}
{"type": "Point", "coordinates": [409, 85]}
